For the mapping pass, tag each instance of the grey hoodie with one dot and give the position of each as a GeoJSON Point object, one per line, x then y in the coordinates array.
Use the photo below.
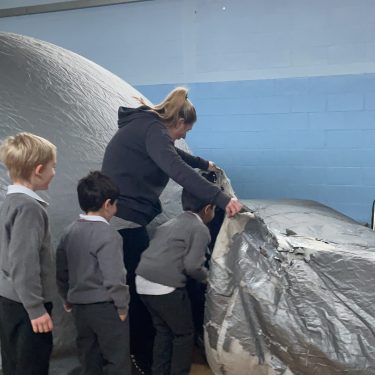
{"type": "Point", "coordinates": [140, 159]}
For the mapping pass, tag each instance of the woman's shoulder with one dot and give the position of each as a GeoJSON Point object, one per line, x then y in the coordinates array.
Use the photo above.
{"type": "Point", "coordinates": [127, 115]}
{"type": "Point", "coordinates": [155, 127]}
{"type": "Point", "coordinates": [137, 121]}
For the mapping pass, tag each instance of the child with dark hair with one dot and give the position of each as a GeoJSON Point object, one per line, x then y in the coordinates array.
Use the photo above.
{"type": "Point", "coordinates": [176, 252]}
{"type": "Point", "coordinates": [91, 279]}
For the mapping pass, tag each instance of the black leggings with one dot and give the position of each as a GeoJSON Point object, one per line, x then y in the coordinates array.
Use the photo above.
{"type": "Point", "coordinates": [135, 241]}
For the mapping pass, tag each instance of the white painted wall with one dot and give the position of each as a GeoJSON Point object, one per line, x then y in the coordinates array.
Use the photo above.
{"type": "Point", "coordinates": [4, 4]}
{"type": "Point", "coordinates": [168, 41]}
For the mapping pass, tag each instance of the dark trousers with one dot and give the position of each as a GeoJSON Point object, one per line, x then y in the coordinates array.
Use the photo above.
{"type": "Point", "coordinates": [23, 352]}
{"type": "Point", "coordinates": [102, 339]}
{"type": "Point", "coordinates": [172, 319]}
{"type": "Point", "coordinates": [197, 291]}
{"type": "Point", "coordinates": [135, 241]}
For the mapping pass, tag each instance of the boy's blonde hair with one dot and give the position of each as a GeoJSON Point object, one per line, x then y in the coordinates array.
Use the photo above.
{"type": "Point", "coordinates": [23, 152]}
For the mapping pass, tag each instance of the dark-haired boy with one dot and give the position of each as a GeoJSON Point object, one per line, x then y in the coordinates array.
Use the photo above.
{"type": "Point", "coordinates": [177, 251]}
{"type": "Point", "coordinates": [91, 279]}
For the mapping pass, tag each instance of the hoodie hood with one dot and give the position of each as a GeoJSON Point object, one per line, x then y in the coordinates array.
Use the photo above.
{"type": "Point", "coordinates": [126, 115]}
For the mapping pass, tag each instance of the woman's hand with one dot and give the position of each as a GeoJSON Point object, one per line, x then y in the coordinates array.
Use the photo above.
{"type": "Point", "coordinates": [212, 167]}
{"type": "Point", "coordinates": [233, 207]}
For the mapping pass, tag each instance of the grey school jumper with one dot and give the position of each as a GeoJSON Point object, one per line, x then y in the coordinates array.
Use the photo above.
{"type": "Point", "coordinates": [90, 266]}
{"type": "Point", "coordinates": [176, 251]}
{"type": "Point", "coordinates": [26, 268]}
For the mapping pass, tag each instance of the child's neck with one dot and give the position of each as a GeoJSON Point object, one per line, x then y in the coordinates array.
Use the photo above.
{"type": "Point", "coordinates": [200, 214]}
{"type": "Point", "coordinates": [26, 184]}
{"type": "Point", "coordinates": [98, 213]}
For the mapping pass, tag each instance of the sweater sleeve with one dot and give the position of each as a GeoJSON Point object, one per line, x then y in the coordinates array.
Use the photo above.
{"type": "Point", "coordinates": [163, 152]}
{"type": "Point", "coordinates": [193, 161]}
{"type": "Point", "coordinates": [28, 231]}
{"type": "Point", "coordinates": [62, 272]}
{"type": "Point", "coordinates": [195, 254]}
{"type": "Point", "coordinates": [111, 264]}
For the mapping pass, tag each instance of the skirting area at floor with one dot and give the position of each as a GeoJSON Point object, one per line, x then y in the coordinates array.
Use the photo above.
{"type": "Point", "coordinates": [200, 366]}
{"type": "Point", "coordinates": [70, 365]}
{"type": "Point", "coordinates": [200, 369]}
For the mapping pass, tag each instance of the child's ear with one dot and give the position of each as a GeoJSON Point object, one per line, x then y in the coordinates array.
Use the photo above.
{"type": "Point", "coordinates": [207, 209]}
{"type": "Point", "coordinates": [107, 203]}
{"type": "Point", "coordinates": [38, 169]}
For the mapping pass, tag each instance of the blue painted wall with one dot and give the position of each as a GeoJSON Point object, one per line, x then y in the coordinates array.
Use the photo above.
{"type": "Point", "coordinates": [310, 138]}
{"type": "Point", "coordinates": [285, 90]}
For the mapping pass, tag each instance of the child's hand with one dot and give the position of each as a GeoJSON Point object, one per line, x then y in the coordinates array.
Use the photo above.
{"type": "Point", "coordinates": [67, 307]}
{"type": "Point", "coordinates": [42, 324]}
{"type": "Point", "coordinates": [122, 316]}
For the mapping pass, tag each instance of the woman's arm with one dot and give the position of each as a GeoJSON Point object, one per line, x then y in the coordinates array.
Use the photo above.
{"type": "Point", "coordinates": [161, 149]}
{"type": "Point", "coordinates": [193, 161]}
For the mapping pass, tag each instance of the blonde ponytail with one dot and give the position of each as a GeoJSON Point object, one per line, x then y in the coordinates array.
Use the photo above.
{"type": "Point", "coordinates": [175, 106]}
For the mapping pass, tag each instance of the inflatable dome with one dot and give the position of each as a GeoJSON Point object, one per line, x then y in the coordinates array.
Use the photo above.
{"type": "Point", "coordinates": [72, 102]}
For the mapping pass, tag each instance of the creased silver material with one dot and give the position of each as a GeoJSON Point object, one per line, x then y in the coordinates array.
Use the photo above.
{"type": "Point", "coordinates": [291, 291]}
{"type": "Point", "coordinates": [73, 102]}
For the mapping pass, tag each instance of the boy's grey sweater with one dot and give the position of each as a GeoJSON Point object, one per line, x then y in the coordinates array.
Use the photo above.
{"type": "Point", "coordinates": [90, 266]}
{"type": "Point", "coordinates": [27, 272]}
{"type": "Point", "coordinates": [176, 251]}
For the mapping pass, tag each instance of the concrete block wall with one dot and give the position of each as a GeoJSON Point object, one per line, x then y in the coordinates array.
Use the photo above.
{"type": "Point", "coordinates": [309, 138]}
{"type": "Point", "coordinates": [284, 90]}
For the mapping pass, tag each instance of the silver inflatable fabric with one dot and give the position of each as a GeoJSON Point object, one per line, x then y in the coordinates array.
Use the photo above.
{"type": "Point", "coordinates": [291, 291]}
{"type": "Point", "coordinates": [57, 94]}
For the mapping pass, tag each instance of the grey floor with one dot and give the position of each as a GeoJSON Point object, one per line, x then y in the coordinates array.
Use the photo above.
{"type": "Point", "coordinates": [64, 366]}
{"type": "Point", "coordinates": [70, 365]}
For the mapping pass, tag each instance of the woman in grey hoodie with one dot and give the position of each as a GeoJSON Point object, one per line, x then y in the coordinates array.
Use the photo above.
{"type": "Point", "coordinates": [140, 159]}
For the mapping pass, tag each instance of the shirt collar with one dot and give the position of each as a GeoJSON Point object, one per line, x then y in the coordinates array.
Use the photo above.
{"type": "Point", "coordinates": [199, 218]}
{"type": "Point", "coordinates": [93, 218]}
{"type": "Point", "coordinates": [17, 189]}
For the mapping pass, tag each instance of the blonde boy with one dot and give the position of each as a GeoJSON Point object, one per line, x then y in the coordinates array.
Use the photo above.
{"type": "Point", "coordinates": [26, 270]}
